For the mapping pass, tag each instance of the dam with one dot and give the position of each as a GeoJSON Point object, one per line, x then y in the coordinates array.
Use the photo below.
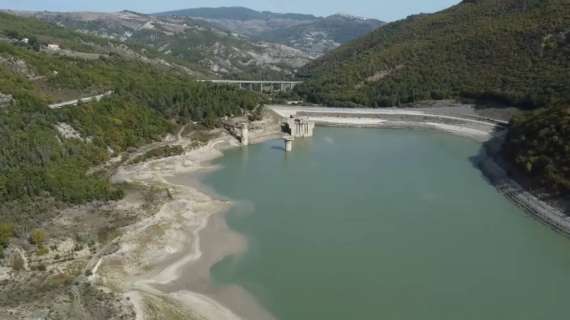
{"type": "Point", "coordinates": [446, 119]}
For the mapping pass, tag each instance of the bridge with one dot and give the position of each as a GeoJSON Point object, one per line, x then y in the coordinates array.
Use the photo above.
{"type": "Point", "coordinates": [259, 85]}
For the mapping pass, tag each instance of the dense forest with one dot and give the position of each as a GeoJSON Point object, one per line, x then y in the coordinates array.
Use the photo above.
{"type": "Point", "coordinates": [511, 51]}
{"type": "Point", "coordinates": [18, 27]}
{"type": "Point", "coordinates": [39, 162]}
{"type": "Point", "coordinates": [538, 143]}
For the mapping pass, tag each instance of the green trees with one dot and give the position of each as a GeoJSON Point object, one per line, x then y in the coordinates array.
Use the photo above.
{"type": "Point", "coordinates": [34, 158]}
{"type": "Point", "coordinates": [38, 237]}
{"type": "Point", "coordinates": [40, 32]}
{"type": "Point", "coordinates": [487, 49]}
{"type": "Point", "coordinates": [38, 162]}
{"type": "Point", "coordinates": [538, 144]}
{"type": "Point", "coordinates": [6, 232]}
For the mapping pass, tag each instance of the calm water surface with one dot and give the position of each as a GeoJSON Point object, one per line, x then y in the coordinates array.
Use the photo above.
{"type": "Point", "coordinates": [385, 224]}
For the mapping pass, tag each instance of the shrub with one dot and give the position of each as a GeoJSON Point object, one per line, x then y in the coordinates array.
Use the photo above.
{"type": "Point", "coordinates": [42, 250]}
{"type": "Point", "coordinates": [6, 232]}
{"type": "Point", "coordinates": [37, 237]}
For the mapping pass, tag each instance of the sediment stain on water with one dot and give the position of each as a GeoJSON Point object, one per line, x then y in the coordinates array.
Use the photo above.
{"type": "Point", "coordinates": [385, 224]}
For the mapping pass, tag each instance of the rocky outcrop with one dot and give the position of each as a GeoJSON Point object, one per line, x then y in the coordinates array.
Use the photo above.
{"type": "Point", "coordinates": [5, 100]}
{"type": "Point", "coordinates": [18, 66]}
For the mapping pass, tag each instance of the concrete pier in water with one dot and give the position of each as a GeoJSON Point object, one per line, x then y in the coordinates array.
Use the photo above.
{"type": "Point", "coordinates": [244, 134]}
{"type": "Point", "coordinates": [288, 143]}
{"type": "Point", "coordinates": [301, 127]}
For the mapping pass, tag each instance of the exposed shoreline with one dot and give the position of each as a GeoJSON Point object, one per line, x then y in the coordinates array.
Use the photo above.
{"type": "Point", "coordinates": [490, 164]}
{"type": "Point", "coordinates": [159, 247]}
{"type": "Point", "coordinates": [162, 256]}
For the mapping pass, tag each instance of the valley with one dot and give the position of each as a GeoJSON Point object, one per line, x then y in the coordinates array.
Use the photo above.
{"type": "Point", "coordinates": [149, 168]}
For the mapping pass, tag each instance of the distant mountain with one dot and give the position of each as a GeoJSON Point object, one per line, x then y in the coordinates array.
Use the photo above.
{"type": "Point", "coordinates": [230, 42]}
{"type": "Point", "coordinates": [192, 41]}
{"type": "Point", "coordinates": [513, 51]}
{"type": "Point", "coordinates": [236, 13]}
{"type": "Point", "coordinates": [313, 35]}
{"type": "Point", "coordinates": [322, 35]}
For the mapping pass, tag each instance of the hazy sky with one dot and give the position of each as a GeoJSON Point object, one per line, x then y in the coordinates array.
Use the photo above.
{"type": "Point", "coordinates": [387, 10]}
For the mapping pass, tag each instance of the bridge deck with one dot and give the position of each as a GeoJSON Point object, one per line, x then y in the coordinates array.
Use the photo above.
{"type": "Point", "coordinates": [259, 85]}
{"type": "Point", "coordinates": [252, 81]}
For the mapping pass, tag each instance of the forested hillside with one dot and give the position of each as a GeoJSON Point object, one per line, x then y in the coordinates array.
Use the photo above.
{"type": "Point", "coordinates": [513, 51]}
{"type": "Point", "coordinates": [45, 153]}
{"type": "Point", "coordinates": [18, 27]}
{"type": "Point", "coordinates": [538, 144]}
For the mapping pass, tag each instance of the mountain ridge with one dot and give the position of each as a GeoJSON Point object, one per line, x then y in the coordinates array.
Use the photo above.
{"type": "Point", "coordinates": [311, 34]}
{"type": "Point", "coordinates": [233, 12]}
{"type": "Point", "coordinates": [193, 42]}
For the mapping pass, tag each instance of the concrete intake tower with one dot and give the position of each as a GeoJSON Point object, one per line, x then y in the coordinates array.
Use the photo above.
{"type": "Point", "coordinates": [300, 127]}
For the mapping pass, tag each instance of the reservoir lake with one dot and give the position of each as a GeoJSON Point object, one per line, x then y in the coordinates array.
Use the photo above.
{"type": "Point", "coordinates": [384, 224]}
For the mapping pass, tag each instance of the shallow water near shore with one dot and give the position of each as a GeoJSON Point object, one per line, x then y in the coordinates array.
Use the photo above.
{"type": "Point", "coordinates": [384, 224]}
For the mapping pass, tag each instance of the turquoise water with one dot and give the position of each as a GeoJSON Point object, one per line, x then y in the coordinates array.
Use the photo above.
{"type": "Point", "coordinates": [385, 224]}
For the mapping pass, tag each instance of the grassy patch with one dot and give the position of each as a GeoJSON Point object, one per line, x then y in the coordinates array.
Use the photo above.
{"type": "Point", "coordinates": [158, 308]}
{"type": "Point", "coordinates": [158, 153]}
